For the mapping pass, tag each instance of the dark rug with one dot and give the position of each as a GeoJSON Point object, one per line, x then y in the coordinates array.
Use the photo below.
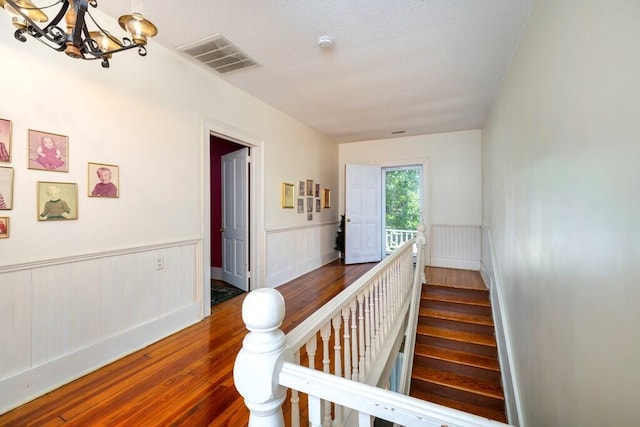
{"type": "Point", "coordinates": [223, 293]}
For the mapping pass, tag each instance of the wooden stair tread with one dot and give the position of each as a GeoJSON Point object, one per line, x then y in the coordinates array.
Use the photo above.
{"type": "Point", "coordinates": [455, 381]}
{"type": "Point", "coordinates": [457, 316]}
{"type": "Point", "coordinates": [456, 300]}
{"type": "Point", "coordinates": [482, 411]}
{"type": "Point", "coordinates": [461, 288]}
{"type": "Point", "coordinates": [458, 357]}
{"type": "Point", "coordinates": [461, 336]}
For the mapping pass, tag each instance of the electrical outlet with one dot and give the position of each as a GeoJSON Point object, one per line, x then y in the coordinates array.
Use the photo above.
{"type": "Point", "coordinates": [159, 262]}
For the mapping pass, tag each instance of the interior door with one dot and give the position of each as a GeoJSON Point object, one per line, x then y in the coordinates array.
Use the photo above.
{"type": "Point", "coordinates": [363, 213]}
{"type": "Point", "coordinates": [235, 218]}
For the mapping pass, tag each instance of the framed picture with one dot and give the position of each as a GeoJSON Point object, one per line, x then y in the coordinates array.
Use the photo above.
{"type": "Point", "coordinates": [104, 180]}
{"type": "Point", "coordinates": [309, 204]}
{"type": "Point", "coordinates": [5, 140]}
{"type": "Point", "coordinates": [300, 205]}
{"type": "Point", "coordinates": [309, 187]}
{"type": "Point", "coordinates": [326, 198]}
{"type": "Point", "coordinates": [57, 201]}
{"type": "Point", "coordinates": [317, 192]}
{"type": "Point", "coordinates": [6, 188]}
{"type": "Point", "coordinates": [301, 189]}
{"type": "Point", "coordinates": [4, 227]}
{"type": "Point", "coordinates": [287, 195]}
{"type": "Point", "coordinates": [48, 151]}
{"type": "Point", "coordinates": [317, 205]}
{"type": "Point", "coordinates": [309, 217]}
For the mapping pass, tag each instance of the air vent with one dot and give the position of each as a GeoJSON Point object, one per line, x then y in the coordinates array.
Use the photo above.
{"type": "Point", "coordinates": [219, 53]}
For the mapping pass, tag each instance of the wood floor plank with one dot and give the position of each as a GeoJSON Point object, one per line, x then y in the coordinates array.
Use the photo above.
{"type": "Point", "coordinates": [185, 379]}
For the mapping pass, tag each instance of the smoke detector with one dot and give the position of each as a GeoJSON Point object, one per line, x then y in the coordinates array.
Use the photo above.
{"type": "Point", "coordinates": [325, 42]}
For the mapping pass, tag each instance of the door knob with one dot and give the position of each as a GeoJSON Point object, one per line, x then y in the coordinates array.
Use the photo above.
{"type": "Point", "coordinates": [222, 230]}
{"type": "Point", "coordinates": [348, 219]}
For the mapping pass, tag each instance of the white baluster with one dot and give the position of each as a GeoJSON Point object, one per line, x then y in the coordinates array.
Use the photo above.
{"type": "Point", "coordinates": [354, 341]}
{"type": "Point", "coordinates": [325, 334]}
{"type": "Point", "coordinates": [295, 398]}
{"type": "Point", "coordinates": [368, 304]}
{"type": "Point", "coordinates": [337, 351]}
{"type": "Point", "coordinates": [361, 336]}
{"type": "Point", "coordinates": [311, 347]}
{"type": "Point", "coordinates": [347, 343]}
{"type": "Point", "coordinates": [262, 352]}
{"type": "Point", "coordinates": [376, 323]}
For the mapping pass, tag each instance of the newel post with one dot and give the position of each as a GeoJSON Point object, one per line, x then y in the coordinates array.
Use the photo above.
{"type": "Point", "coordinates": [257, 365]}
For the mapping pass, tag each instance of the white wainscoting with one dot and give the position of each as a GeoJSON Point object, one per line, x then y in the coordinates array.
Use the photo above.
{"type": "Point", "coordinates": [492, 279]}
{"type": "Point", "coordinates": [456, 246]}
{"type": "Point", "coordinates": [292, 252]}
{"type": "Point", "coordinates": [62, 318]}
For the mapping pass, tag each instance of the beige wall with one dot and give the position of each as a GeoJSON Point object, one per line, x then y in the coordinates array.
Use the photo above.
{"type": "Point", "coordinates": [560, 162]}
{"type": "Point", "coordinates": [452, 175]}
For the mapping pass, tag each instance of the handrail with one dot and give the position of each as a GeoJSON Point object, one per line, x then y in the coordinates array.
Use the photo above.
{"type": "Point", "coordinates": [365, 326]}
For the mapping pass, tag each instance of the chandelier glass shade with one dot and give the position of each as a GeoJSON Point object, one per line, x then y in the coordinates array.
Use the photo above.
{"type": "Point", "coordinates": [68, 31]}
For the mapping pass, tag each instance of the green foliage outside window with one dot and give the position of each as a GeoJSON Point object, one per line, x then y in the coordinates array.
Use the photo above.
{"type": "Point", "coordinates": [403, 199]}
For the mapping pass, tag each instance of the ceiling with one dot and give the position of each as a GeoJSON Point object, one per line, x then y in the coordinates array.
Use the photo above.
{"type": "Point", "coordinates": [396, 67]}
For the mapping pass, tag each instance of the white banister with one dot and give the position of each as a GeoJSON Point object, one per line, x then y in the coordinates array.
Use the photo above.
{"type": "Point", "coordinates": [368, 323]}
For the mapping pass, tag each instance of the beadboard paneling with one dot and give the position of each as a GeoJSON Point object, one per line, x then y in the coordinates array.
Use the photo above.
{"type": "Point", "coordinates": [62, 318]}
{"type": "Point", "coordinates": [293, 252]}
{"type": "Point", "coordinates": [456, 246]}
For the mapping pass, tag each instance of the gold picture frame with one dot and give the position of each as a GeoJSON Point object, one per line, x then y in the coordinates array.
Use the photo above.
{"type": "Point", "coordinates": [104, 180]}
{"type": "Point", "coordinates": [288, 192]}
{"type": "Point", "coordinates": [6, 188]}
{"type": "Point", "coordinates": [47, 151]}
{"type": "Point", "coordinates": [4, 227]}
{"type": "Point", "coordinates": [326, 198]}
{"type": "Point", "coordinates": [5, 140]}
{"type": "Point", "coordinates": [57, 201]}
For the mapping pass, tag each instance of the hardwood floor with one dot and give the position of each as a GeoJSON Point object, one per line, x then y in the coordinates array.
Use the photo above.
{"type": "Point", "coordinates": [183, 380]}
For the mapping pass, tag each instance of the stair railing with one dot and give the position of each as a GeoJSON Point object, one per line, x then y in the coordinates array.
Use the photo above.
{"type": "Point", "coordinates": [359, 333]}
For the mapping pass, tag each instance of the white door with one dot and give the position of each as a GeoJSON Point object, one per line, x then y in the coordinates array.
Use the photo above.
{"type": "Point", "coordinates": [235, 218]}
{"type": "Point", "coordinates": [363, 215]}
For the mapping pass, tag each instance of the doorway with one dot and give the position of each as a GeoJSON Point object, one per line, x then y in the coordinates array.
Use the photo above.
{"type": "Point", "coordinates": [401, 205]}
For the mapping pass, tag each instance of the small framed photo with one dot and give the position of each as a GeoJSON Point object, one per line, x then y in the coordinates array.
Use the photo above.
{"type": "Point", "coordinates": [326, 198]}
{"type": "Point", "coordinates": [301, 189]}
{"type": "Point", "coordinates": [309, 204]}
{"type": "Point", "coordinates": [4, 227]}
{"type": "Point", "coordinates": [48, 151]}
{"type": "Point", "coordinates": [57, 201]}
{"type": "Point", "coordinates": [5, 140]}
{"type": "Point", "coordinates": [6, 188]}
{"type": "Point", "coordinates": [317, 192]}
{"type": "Point", "coordinates": [287, 195]}
{"type": "Point", "coordinates": [104, 180]}
{"type": "Point", "coordinates": [310, 217]}
{"type": "Point", "coordinates": [317, 205]}
{"type": "Point", "coordinates": [300, 205]}
{"type": "Point", "coordinates": [309, 187]}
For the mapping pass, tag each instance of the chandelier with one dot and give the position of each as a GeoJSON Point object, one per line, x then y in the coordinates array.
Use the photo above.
{"type": "Point", "coordinates": [76, 40]}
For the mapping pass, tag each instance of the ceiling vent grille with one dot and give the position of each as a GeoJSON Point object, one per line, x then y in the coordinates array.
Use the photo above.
{"type": "Point", "coordinates": [219, 53]}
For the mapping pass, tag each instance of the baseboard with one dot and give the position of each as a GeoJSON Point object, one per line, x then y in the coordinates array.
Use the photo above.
{"type": "Point", "coordinates": [462, 264]}
{"type": "Point", "coordinates": [28, 385]}
{"type": "Point", "coordinates": [216, 273]}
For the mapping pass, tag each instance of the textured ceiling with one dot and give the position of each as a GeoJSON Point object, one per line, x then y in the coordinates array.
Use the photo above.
{"type": "Point", "coordinates": [418, 66]}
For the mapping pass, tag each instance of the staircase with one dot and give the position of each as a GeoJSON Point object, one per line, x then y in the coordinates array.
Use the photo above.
{"type": "Point", "coordinates": [456, 358]}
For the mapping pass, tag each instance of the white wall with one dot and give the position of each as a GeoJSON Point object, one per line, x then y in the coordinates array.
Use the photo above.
{"type": "Point", "coordinates": [146, 116]}
{"type": "Point", "coordinates": [560, 159]}
{"type": "Point", "coordinates": [452, 188]}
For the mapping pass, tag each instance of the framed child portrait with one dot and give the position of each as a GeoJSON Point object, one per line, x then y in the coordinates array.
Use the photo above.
{"type": "Point", "coordinates": [48, 151]}
{"type": "Point", "coordinates": [5, 140]}
{"type": "Point", "coordinates": [57, 201]}
{"type": "Point", "coordinates": [6, 188]}
{"type": "Point", "coordinates": [300, 205]}
{"type": "Point", "coordinates": [4, 227]}
{"type": "Point", "coordinates": [301, 188]}
{"type": "Point", "coordinates": [104, 180]}
{"type": "Point", "coordinates": [309, 187]}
